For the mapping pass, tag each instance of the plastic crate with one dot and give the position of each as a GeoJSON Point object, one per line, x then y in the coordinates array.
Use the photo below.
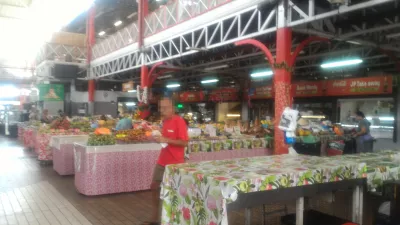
{"type": "Point", "coordinates": [312, 217]}
{"type": "Point", "coordinates": [308, 149]}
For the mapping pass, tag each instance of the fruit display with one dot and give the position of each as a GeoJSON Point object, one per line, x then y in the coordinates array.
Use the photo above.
{"type": "Point", "coordinates": [100, 140]}
{"type": "Point", "coordinates": [110, 123]}
{"type": "Point", "coordinates": [134, 136]}
{"type": "Point", "coordinates": [83, 125]}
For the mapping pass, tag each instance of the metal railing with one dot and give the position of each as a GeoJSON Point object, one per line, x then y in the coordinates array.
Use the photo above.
{"type": "Point", "coordinates": [61, 52]}
{"type": "Point", "coordinates": [128, 35]}
{"type": "Point", "coordinates": [166, 16]}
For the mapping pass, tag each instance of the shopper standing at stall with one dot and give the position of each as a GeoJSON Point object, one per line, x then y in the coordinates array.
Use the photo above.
{"type": "Point", "coordinates": [363, 138]}
{"type": "Point", "coordinates": [45, 116]}
{"type": "Point", "coordinates": [174, 138]}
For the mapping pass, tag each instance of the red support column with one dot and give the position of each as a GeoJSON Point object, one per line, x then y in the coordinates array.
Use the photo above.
{"type": "Point", "coordinates": [282, 84]}
{"type": "Point", "coordinates": [91, 90]}
{"type": "Point", "coordinates": [91, 40]}
{"type": "Point", "coordinates": [143, 11]}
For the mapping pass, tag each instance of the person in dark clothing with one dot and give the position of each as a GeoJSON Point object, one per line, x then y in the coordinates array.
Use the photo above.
{"type": "Point", "coordinates": [363, 136]}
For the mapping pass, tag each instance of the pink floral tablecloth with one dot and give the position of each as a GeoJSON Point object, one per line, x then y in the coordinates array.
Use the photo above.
{"type": "Point", "coordinates": [63, 152]}
{"type": "Point", "coordinates": [30, 137]}
{"type": "Point", "coordinates": [21, 133]}
{"type": "Point", "coordinates": [228, 154]}
{"type": "Point", "coordinates": [43, 149]}
{"type": "Point", "coordinates": [126, 168]}
{"type": "Point", "coordinates": [114, 169]}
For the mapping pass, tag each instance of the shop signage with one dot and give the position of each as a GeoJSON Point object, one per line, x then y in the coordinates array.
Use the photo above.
{"type": "Point", "coordinates": [307, 89]}
{"type": "Point", "coordinates": [128, 86]}
{"type": "Point", "coordinates": [224, 94]}
{"type": "Point", "coordinates": [191, 96]}
{"type": "Point", "coordinates": [51, 92]}
{"type": "Point", "coordinates": [262, 92]}
{"type": "Point", "coordinates": [360, 86]}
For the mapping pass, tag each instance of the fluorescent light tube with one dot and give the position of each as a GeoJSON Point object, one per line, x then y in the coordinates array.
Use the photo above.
{"type": "Point", "coordinates": [132, 91]}
{"type": "Point", "coordinates": [233, 115]}
{"type": "Point", "coordinates": [173, 85]}
{"type": "Point", "coordinates": [101, 33]}
{"type": "Point", "coordinates": [209, 81]}
{"type": "Point", "coordinates": [341, 63]}
{"type": "Point", "coordinates": [130, 104]}
{"type": "Point", "coordinates": [262, 74]}
{"type": "Point", "coordinates": [119, 22]}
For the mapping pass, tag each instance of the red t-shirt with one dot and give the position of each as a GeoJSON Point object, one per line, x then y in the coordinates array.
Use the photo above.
{"type": "Point", "coordinates": [175, 129]}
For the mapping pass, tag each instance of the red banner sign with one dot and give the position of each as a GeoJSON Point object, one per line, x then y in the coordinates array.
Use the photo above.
{"type": "Point", "coordinates": [360, 86]}
{"type": "Point", "coordinates": [224, 94]}
{"type": "Point", "coordinates": [307, 89]}
{"type": "Point", "coordinates": [194, 96]}
{"type": "Point", "coordinates": [263, 92]}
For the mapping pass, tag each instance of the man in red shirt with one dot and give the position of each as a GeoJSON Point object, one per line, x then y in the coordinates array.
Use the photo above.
{"type": "Point", "coordinates": [175, 136]}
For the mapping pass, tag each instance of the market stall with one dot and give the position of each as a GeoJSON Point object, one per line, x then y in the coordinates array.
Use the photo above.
{"type": "Point", "coordinates": [114, 169]}
{"type": "Point", "coordinates": [63, 152]}
{"type": "Point", "coordinates": [215, 187]}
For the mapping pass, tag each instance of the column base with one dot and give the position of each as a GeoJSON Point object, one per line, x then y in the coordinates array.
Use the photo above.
{"type": "Point", "coordinates": [90, 108]}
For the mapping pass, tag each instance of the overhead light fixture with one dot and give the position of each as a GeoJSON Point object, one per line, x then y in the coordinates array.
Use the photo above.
{"type": "Point", "coordinates": [132, 91]}
{"type": "Point", "coordinates": [209, 81]}
{"type": "Point", "coordinates": [130, 104]}
{"type": "Point", "coordinates": [354, 42]}
{"type": "Point", "coordinates": [382, 118]}
{"type": "Point", "coordinates": [314, 117]}
{"type": "Point", "coordinates": [217, 67]}
{"type": "Point", "coordinates": [342, 63]}
{"type": "Point", "coordinates": [233, 115]}
{"type": "Point", "coordinates": [101, 33]}
{"type": "Point", "coordinates": [173, 85]}
{"type": "Point", "coordinates": [119, 22]}
{"type": "Point", "coordinates": [266, 73]}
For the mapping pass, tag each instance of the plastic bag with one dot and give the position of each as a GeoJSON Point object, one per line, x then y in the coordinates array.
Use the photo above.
{"type": "Point", "coordinates": [289, 120]}
{"type": "Point", "coordinates": [292, 151]}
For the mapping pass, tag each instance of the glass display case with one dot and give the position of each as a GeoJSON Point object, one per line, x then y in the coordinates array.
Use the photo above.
{"type": "Point", "coordinates": [379, 112]}
{"type": "Point", "coordinates": [9, 118]}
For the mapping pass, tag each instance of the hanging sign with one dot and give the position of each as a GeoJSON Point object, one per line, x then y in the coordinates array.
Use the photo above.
{"type": "Point", "coordinates": [128, 86]}
{"type": "Point", "coordinates": [360, 86]}
{"type": "Point", "coordinates": [307, 89]}
{"type": "Point", "coordinates": [191, 96]}
{"type": "Point", "coordinates": [51, 92]}
{"type": "Point", "coordinates": [263, 92]}
{"type": "Point", "coordinates": [224, 94]}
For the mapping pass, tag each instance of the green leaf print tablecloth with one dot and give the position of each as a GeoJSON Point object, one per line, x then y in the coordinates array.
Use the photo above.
{"type": "Point", "coordinates": [381, 166]}
{"type": "Point", "coordinates": [198, 193]}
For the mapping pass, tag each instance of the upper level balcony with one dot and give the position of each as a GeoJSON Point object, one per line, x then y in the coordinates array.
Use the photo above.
{"type": "Point", "coordinates": [166, 17]}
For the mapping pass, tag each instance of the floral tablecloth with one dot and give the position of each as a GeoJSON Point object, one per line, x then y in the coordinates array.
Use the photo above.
{"type": "Point", "coordinates": [198, 193]}
{"type": "Point", "coordinates": [63, 152]}
{"type": "Point", "coordinates": [114, 169]}
{"type": "Point", "coordinates": [227, 154]}
{"type": "Point", "coordinates": [382, 166]}
{"type": "Point", "coordinates": [43, 149]}
{"type": "Point", "coordinates": [30, 137]}
{"type": "Point", "coordinates": [228, 144]}
{"type": "Point", "coordinates": [21, 133]}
